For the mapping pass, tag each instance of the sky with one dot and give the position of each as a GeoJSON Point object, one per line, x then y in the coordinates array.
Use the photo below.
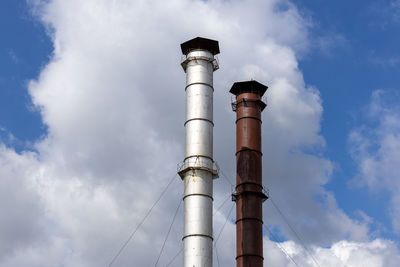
{"type": "Point", "coordinates": [91, 129]}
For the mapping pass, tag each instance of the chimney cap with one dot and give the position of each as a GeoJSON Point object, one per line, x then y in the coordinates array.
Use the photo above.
{"type": "Point", "coordinates": [251, 86]}
{"type": "Point", "coordinates": [200, 43]}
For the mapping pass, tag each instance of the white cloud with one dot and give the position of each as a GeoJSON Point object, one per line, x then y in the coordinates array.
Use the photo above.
{"type": "Point", "coordinates": [376, 148]}
{"type": "Point", "coordinates": [112, 97]}
{"type": "Point", "coordinates": [18, 202]}
{"type": "Point", "coordinates": [377, 253]}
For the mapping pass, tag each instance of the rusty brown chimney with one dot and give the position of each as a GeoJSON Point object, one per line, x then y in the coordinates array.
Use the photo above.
{"type": "Point", "coordinates": [249, 194]}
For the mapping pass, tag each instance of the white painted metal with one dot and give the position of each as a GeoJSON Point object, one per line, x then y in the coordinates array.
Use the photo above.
{"type": "Point", "coordinates": [197, 170]}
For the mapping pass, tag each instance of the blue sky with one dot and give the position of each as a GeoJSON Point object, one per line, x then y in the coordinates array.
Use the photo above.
{"type": "Point", "coordinates": [25, 49]}
{"type": "Point", "coordinates": [352, 58]}
{"type": "Point", "coordinates": [353, 68]}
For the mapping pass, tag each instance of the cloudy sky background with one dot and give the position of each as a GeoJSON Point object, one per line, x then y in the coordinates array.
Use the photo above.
{"type": "Point", "coordinates": [91, 128]}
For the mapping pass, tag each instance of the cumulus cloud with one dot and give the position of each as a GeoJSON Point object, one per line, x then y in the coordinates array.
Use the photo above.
{"type": "Point", "coordinates": [375, 147]}
{"type": "Point", "coordinates": [344, 254]}
{"type": "Point", "coordinates": [376, 253]}
{"type": "Point", "coordinates": [19, 202]}
{"type": "Point", "coordinates": [112, 97]}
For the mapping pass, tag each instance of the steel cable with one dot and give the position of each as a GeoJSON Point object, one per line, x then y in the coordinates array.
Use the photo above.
{"type": "Point", "coordinates": [176, 255]}
{"type": "Point", "coordinates": [226, 178]}
{"type": "Point", "coordinates": [222, 204]}
{"type": "Point", "coordinates": [220, 232]}
{"type": "Point", "coordinates": [227, 218]}
{"type": "Point", "coordinates": [216, 253]}
{"type": "Point", "coordinates": [169, 230]}
{"type": "Point", "coordinates": [291, 228]}
{"type": "Point", "coordinates": [280, 247]}
{"type": "Point", "coordinates": [141, 222]}
{"type": "Point", "coordinates": [180, 251]}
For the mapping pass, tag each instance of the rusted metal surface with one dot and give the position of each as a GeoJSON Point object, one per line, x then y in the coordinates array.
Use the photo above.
{"type": "Point", "coordinates": [249, 194]}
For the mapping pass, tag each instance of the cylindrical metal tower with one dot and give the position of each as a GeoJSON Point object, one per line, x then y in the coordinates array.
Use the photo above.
{"type": "Point", "coordinates": [249, 194]}
{"type": "Point", "coordinates": [197, 170]}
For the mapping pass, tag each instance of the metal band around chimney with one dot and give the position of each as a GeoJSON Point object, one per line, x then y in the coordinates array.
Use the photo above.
{"type": "Point", "coordinates": [251, 255]}
{"type": "Point", "coordinates": [248, 149]}
{"type": "Point", "coordinates": [249, 218]}
{"type": "Point", "coordinates": [204, 195]}
{"type": "Point", "coordinates": [199, 65]}
{"type": "Point", "coordinates": [201, 119]}
{"type": "Point", "coordinates": [248, 117]}
{"type": "Point", "coordinates": [248, 107]}
{"type": "Point", "coordinates": [206, 84]}
{"type": "Point", "coordinates": [201, 235]}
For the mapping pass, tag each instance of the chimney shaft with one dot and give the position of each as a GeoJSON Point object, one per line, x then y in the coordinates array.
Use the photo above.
{"type": "Point", "coordinates": [249, 194]}
{"type": "Point", "coordinates": [197, 171]}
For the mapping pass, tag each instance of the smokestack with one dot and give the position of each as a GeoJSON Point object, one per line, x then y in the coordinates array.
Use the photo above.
{"type": "Point", "coordinates": [249, 194]}
{"type": "Point", "coordinates": [197, 170]}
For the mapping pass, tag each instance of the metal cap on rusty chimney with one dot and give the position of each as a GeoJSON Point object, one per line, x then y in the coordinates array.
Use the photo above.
{"type": "Point", "coordinates": [249, 194]}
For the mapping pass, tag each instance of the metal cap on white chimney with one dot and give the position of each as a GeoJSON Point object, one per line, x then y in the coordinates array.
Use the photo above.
{"type": "Point", "coordinates": [200, 43]}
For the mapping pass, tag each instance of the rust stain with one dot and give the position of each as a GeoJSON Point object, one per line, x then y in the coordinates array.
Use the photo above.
{"type": "Point", "coordinates": [249, 194]}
